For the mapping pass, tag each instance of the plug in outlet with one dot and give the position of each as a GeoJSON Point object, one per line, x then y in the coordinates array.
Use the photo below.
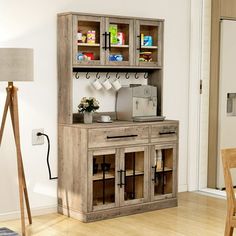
{"type": "Point", "coordinates": [37, 140]}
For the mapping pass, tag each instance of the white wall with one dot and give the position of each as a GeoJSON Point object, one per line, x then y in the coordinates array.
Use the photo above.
{"type": "Point", "coordinates": [30, 23]}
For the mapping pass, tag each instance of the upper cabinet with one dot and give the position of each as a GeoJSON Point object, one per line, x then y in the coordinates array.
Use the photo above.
{"type": "Point", "coordinates": [148, 36]}
{"type": "Point", "coordinates": [104, 41]}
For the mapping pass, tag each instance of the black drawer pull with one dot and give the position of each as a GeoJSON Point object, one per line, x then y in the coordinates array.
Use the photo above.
{"type": "Point", "coordinates": [168, 132]}
{"type": "Point", "coordinates": [122, 136]}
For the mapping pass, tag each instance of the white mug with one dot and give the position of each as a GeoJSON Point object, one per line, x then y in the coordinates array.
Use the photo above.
{"type": "Point", "coordinates": [96, 84]}
{"type": "Point", "coordinates": [106, 84]}
{"type": "Point", "coordinates": [116, 84]}
{"type": "Point", "coordinates": [105, 118]}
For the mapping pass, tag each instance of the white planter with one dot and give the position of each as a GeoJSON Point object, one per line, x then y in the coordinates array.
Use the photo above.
{"type": "Point", "coordinates": [88, 117]}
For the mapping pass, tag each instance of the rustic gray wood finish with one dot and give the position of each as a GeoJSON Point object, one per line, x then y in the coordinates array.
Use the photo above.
{"type": "Point", "coordinates": [80, 143]}
{"type": "Point", "coordinates": [75, 186]}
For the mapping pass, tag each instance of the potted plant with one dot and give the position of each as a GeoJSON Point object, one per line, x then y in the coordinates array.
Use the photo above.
{"type": "Point", "coordinates": [88, 106]}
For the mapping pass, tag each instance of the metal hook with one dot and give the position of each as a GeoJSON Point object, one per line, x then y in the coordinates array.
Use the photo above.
{"type": "Point", "coordinates": [127, 75]}
{"type": "Point", "coordinates": [107, 75]}
{"type": "Point", "coordinates": [117, 75]}
{"type": "Point", "coordinates": [136, 75]}
{"type": "Point", "coordinates": [146, 75]}
{"type": "Point", "coordinates": [77, 75]}
{"type": "Point", "coordinates": [97, 75]}
{"type": "Point", "coordinates": [87, 76]}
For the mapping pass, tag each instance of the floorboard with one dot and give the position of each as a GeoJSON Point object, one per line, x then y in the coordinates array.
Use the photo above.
{"type": "Point", "coordinates": [196, 215]}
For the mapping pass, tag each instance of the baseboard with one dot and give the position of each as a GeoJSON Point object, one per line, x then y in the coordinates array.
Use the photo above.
{"type": "Point", "coordinates": [183, 188]}
{"type": "Point", "coordinates": [34, 211]}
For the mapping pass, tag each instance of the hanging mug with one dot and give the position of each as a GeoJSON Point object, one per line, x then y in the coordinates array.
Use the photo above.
{"type": "Point", "coordinates": [116, 85]}
{"type": "Point", "coordinates": [96, 84]}
{"type": "Point", "coordinates": [106, 84]}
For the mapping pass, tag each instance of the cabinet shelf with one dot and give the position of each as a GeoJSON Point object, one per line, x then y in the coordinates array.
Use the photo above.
{"type": "Point", "coordinates": [89, 44]}
{"type": "Point", "coordinates": [166, 169]}
{"type": "Point", "coordinates": [120, 46]}
{"type": "Point", "coordinates": [137, 172]}
{"type": "Point", "coordinates": [108, 175]}
{"type": "Point", "coordinates": [149, 47]}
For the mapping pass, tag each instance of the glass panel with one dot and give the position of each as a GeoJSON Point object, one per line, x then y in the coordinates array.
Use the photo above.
{"type": "Point", "coordinates": [149, 43]}
{"type": "Point", "coordinates": [163, 181]}
{"type": "Point", "coordinates": [88, 41]}
{"type": "Point", "coordinates": [119, 40]}
{"type": "Point", "coordinates": [134, 175]}
{"type": "Point", "coordinates": [103, 179]}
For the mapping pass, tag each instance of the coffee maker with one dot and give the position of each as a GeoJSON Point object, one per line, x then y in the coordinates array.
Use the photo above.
{"type": "Point", "coordinates": [137, 103]}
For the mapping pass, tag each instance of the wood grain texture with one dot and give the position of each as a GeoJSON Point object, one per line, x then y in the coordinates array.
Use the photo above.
{"type": "Point", "coordinates": [79, 144]}
{"type": "Point", "coordinates": [107, 137]}
{"type": "Point", "coordinates": [195, 215]}
{"type": "Point", "coordinates": [221, 9]}
{"type": "Point", "coordinates": [229, 162]}
{"type": "Point", "coordinates": [214, 95]}
{"type": "Point", "coordinates": [64, 65]}
{"type": "Point", "coordinates": [228, 8]}
{"type": "Point", "coordinates": [12, 105]}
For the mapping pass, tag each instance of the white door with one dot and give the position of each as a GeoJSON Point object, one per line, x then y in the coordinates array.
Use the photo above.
{"type": "Point", "coordinates": [227, 91]}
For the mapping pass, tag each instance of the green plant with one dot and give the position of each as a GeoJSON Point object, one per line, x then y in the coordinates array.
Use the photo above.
{"type": "Point", "coordinates": [88, 104]}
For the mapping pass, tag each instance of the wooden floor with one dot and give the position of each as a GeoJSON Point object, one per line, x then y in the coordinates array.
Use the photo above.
{"type": "Point", "coordinates": [196, 215]}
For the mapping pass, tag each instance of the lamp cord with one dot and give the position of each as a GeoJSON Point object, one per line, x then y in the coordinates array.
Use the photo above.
{"type": "Point", "coordinates": [48, 164]}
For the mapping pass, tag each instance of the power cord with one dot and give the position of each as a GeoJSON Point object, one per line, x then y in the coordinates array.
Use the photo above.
{"type": "Point", "coordinates": [48, 164]}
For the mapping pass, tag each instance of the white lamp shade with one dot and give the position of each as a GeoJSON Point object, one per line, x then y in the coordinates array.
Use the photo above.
{"type": "Point", "coordinates": [16, 64]}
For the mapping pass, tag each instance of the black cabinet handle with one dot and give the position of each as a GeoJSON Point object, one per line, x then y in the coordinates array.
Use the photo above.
{"type": "Point", "coordinates": [105, 35]}
{"type": "Point", "coordinates": [167, 132]}
{"type": "Point", "coordinates": [154, 175]}
{"type": "Point", "coordinates": [122, 136]}
{"type": "Point", "coordinates": [121, 177]}
{"type": "Point", "coordinates": [140, 43]}
{"type": "Point", "coordinates": [109, 40]}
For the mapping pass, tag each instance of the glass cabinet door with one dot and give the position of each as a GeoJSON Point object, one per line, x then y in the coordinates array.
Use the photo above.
{"type": "Point", "coordinates": [163, 171]}
{"type": "Point", "coordinates": [87, 37]}
{"type": "Point", "coordinates": [119, 41]}
{"type": "Point", "coordinates": [148, 43]}
{"type": "Point", "coordinates": [102, 179]}
{"type": "Point", "coordinates": [133, 175]}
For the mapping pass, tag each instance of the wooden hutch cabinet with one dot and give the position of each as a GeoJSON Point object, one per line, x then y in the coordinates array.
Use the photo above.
{"type": "Point", "coordinates": [123, 167]}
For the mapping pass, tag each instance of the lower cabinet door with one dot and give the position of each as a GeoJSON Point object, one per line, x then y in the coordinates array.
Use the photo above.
{"type": "Point", "coordinates": [163, 160]}
{"type": "Point", "coordinates": [102, 179]}
{"type": "Point", "coordinates": [133, 175]}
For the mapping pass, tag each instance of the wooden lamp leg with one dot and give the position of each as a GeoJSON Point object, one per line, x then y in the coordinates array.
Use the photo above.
{"type": "Point", "coordinates": [7, 103]}
{"type": "Point", "coordinates": [12, 104]}
{"type": "Point", "coordinates": [15, 124]}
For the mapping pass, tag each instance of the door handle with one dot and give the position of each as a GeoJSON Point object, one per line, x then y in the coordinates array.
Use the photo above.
{"type": "Point", "coordinates": [167, 132]}
{"type": "Point", "coordinates": [109, 41]}
{"type": "Point", "coordinates": [140, 43]}
{"type": "Point", "coordinates": [121, 178]}
{"type": "Point", "coordinates": [105, 35]}
{"type": "Point", "coordinates": [154, 175]}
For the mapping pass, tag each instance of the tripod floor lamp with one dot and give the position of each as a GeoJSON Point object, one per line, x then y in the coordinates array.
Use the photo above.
{"type": "Point", "coordinates": [16, 64]}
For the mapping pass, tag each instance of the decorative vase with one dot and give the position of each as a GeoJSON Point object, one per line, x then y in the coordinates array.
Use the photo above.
{"type": "Point", "coordinates": [88, 117]}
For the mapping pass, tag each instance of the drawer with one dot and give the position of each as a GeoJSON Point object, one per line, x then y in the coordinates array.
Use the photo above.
{"type": "Point", "coordinates": [117, 136]}
{"type": "Point", "coordinates": [164, 133]}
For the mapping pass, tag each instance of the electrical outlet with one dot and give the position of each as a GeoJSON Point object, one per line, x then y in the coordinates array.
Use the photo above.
{"type": "Point", "coordinates": [37, 140]}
